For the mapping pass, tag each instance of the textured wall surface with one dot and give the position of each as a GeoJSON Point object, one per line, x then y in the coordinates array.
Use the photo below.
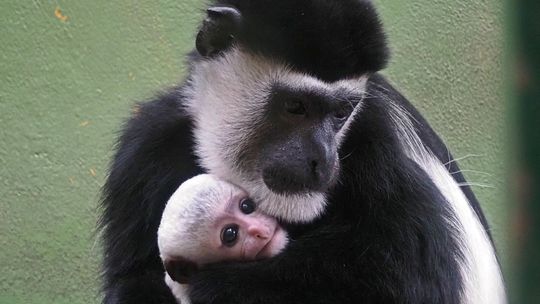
{"type": "Point", "coordinates": [448, 60]}
{"type": "Point", "coordinates": [71, 70]}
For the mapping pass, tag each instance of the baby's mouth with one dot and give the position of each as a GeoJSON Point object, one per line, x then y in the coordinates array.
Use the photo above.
{"type": "Point", "coordinates": [256, 249]}
{"type": "Point", "coordinates": [266, 251]}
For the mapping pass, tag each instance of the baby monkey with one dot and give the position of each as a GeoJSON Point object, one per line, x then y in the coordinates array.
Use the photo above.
{"type": "Point", "coordinates": [208, 220]}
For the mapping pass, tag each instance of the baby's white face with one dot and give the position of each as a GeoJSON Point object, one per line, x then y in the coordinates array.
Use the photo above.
{"type": "Point", "coordinates": [241, 232]}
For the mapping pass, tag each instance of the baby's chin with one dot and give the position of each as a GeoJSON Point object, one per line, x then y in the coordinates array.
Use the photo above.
{"type": "Point", "coordinates": [276, 244]}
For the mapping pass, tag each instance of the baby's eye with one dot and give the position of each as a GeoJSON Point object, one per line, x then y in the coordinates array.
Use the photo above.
{"type": "Point", "coordinates": [247, 206]}
{"type": "Point", "coordinates": [229, 235]}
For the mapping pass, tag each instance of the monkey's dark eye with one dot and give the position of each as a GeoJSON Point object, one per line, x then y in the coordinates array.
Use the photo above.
{"type": "Point", "coordinates": [342, 113]}
{"type": "Point", "coordinates": [247, 206]}
{"type": "Point", "coordinates": [229, 235]}
{"type": "Point", "coordinates": [295, 106]}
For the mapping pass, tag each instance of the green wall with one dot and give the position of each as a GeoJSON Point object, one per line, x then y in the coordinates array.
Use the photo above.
{"type": "Point", "coordinates": [71, 70]}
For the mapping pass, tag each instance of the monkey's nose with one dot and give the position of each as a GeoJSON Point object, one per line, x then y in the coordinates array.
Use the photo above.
{"type": "Point", "coordinates": [259, 232]}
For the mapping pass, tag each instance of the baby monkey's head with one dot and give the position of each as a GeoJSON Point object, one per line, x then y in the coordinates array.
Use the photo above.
{"type": "Point", "coordinates": [208, 220]}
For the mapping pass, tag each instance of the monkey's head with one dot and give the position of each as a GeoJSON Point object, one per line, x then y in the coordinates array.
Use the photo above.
{"type": "Point", "coordinates": [272, 90]}
{"type": "Point", "coordinates": [208, 220]}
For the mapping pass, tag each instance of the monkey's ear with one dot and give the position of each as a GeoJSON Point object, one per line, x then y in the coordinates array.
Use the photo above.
{"type": "Point", "coordinates": [218, 29]}
{"type": "Point", "coordinates": [180, 269]}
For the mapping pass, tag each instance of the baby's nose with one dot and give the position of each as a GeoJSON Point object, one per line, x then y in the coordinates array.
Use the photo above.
{"type": "Point", "coordinates": [260, 231]}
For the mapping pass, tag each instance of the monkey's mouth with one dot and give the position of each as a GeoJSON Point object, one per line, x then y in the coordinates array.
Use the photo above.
{"type": "Point", "coordinates": [287, 183]}
{"type": "Point", "coordinates": [274, 246]}
{"type": "Point", "coordinates": [284, 184]}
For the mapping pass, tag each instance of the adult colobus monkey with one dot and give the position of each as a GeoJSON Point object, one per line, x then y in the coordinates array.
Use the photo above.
{"type": "Point", "coordinates": [283, 99]}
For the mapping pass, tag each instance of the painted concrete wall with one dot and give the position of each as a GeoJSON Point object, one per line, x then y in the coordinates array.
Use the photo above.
{"type": "Point", "coordinates": [71, 70]}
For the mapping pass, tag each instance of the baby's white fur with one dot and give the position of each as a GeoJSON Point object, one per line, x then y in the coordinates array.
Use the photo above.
{"type": "Point", "coordinates": [192, 203]}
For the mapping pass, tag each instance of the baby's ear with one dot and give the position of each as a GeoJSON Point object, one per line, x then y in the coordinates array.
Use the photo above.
{"type": "Point", "coordinates": [180, 269]}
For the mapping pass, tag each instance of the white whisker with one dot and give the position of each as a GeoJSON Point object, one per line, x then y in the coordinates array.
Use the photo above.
{"type": "Point", "coordinates": [463, 157]}
{"type": "Point", "coordinates": [471, 171]}
{"type": "Point", "coordinates": [472, 184]}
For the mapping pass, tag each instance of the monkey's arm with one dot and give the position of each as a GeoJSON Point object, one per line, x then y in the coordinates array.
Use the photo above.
{"type": "Point", "coordinates": [301, 274]}
{"type": "Point", "coordinates": [153, 158]}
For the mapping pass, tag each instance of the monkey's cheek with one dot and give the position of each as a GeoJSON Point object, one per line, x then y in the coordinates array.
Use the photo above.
{"type": "Point", "coordinates": [279, 241]}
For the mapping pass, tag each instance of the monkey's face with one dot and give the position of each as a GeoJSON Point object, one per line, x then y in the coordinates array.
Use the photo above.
{"type": "Point", "coordinates": [242, 232]}
{"type": "Point", "coordinates": [273, 131]}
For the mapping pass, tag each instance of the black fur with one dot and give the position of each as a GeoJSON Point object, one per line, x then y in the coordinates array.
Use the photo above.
{"type": "Point", "coordinates": [384, 237]}
{"type": "Point", "coordinates": [352, 39]}
{"type": "Point", "coordinates": [153, 158]}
